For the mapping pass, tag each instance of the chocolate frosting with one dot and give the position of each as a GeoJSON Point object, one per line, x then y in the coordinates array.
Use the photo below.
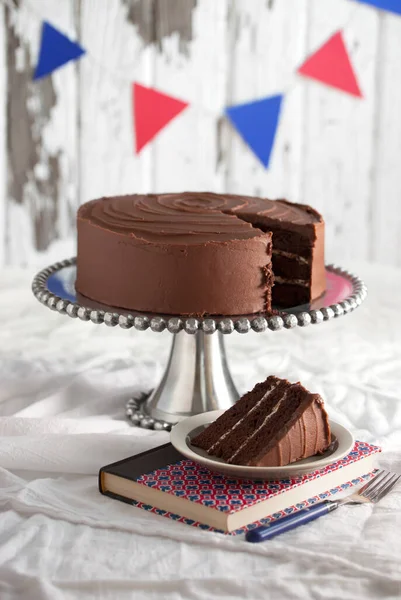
{"type": "Point", "coordinates": [188, 218]}
{"type": "Point", "coordinates": [189, 253]}
{"type": "Point", "coordinates": [281, 211]}
{"type": "Point", "coordinates": [191, 217]}
{"type": "Point", "coordinates": [309, 435]}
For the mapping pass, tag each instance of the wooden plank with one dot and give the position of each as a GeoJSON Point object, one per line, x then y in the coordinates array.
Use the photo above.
{"type": "Point", "coordinates": [3, 135]}
{"type": "Point", "coordinates": [189, 154]}
{"type": "Point", "coordinates": [121, 37]}
{"type": "Point", "coordinates": [42, 138]}
{"type": "Point", "coordinates": [118, 37]}
{"type": "Point", "coordinates": [269, 44]}
{"type": "Point", "coordinates": [339, 145]}
{"type": "Point", "coordinates": [385, 239]}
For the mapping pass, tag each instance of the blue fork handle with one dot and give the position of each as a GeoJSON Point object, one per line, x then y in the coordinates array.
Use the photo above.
{"type": "Point", "coordinates": [266, 532]}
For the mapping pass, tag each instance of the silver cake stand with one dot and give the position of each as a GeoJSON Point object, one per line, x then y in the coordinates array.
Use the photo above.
{"type": "Point", "coordinates": [197, 378]}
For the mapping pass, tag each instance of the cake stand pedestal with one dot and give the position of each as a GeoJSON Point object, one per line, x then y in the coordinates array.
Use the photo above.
{"type": "Point", "coordinates": [197, 378]}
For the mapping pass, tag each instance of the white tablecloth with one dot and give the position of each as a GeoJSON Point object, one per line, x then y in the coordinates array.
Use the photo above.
{"type": "Point", "coordinates": [63, 385]}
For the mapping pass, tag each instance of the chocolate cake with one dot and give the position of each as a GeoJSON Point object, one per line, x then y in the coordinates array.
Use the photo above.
{"type": "Point", "coordinates": [199, 253]}
{"type": "Point", "coordinates": [275, 424]}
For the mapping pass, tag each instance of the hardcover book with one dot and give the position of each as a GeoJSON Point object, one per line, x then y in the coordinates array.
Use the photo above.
{"type": "Point", "coordinates": [162, 481]}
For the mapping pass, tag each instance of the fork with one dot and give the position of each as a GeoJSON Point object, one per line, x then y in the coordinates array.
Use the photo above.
{"type": "Point", "coordinates": [373, 491]}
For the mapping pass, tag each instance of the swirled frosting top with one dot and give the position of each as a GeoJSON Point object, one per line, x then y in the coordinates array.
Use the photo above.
{"type": "Point", "coordinates": [191, 217]}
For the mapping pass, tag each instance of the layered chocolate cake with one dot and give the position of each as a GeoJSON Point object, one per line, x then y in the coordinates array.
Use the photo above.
{"type": "Point", "coordinates": [199, 253]}
{"type": "Point", "coordinates": [275, 424]}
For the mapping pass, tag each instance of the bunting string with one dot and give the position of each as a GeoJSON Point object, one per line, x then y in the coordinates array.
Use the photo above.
{"type": "Point", "coordinates": [256, 121]}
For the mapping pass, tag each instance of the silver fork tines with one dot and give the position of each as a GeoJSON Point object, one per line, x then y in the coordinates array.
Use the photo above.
{"type": "Point", "coordinates": [372, 484]}
{"type": "Point", "coordinates": [379, 486]}
{"type": "Point", "coordinates": [385, 487]}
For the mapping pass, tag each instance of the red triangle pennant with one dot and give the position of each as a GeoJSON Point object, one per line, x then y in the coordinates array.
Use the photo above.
{"type": "Point", "coordinates": [152, 111]}
{"type": "Point", "coordinates": [331, 65]}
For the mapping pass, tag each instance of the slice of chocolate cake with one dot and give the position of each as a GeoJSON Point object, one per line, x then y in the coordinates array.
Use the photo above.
{"type": "Point", "coordinates": [275, 424]}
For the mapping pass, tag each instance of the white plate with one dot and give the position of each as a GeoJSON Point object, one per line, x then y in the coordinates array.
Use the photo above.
{"type": "Point", "coordinates": [182, 433]}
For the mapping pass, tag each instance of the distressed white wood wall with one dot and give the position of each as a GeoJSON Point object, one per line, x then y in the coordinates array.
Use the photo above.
{"type": "Point", "coordinates": [69, 137]}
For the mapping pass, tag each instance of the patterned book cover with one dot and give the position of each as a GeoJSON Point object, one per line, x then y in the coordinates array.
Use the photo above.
{"type": "Point", "coordinates": [187, 479]}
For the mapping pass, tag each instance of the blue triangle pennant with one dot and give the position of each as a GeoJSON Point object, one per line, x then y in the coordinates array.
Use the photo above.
{"type": "Point", "coordinates": [393, 6]}
{"type": "Point", "coordinates": [55, 51]}
{"type": "Point", "coordinates": [257, 122]}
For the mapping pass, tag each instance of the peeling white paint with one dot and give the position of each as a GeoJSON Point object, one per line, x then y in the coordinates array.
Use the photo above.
{"type": "Point", "coordinates": [3, 139]}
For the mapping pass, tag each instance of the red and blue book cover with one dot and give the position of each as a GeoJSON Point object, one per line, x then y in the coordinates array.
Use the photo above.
{"type": "Point", "coordinates": [189, 480]}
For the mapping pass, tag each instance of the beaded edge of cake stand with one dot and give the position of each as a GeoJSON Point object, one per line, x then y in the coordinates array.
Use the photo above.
{"type": "Point", "coordinates": [134, 407]}
{"type": "Point", "coordinates": [191, 325]}
{"type": "Point", "coordinates": [137, 417]}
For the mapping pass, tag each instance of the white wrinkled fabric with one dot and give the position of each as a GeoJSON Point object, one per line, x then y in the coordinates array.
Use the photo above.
{"type": "Point", "coordinates": [62, 389]}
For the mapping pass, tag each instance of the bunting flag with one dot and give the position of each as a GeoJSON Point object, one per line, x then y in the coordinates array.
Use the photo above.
{"type": "Point", "coordinates": [393, 6]}
{"type": "Point", "coordinates": [256, 122]}
{"type": "Point", "coordinates": [331, 65]}
{"type": "Point", "coordinates": [152, 111]}
{"type": "Point", "coordinates": [56, 50]}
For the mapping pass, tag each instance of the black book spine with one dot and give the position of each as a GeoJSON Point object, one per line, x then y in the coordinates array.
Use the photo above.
{"type": "Point", "coordinates": [118, 497]}
{"type": "Point", "coordinates": [133, 467]}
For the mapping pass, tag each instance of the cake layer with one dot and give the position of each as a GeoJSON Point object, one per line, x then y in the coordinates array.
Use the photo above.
{"type": "Point", "coordinates": [276, 423]}
{"type": "Point", "coordinates": [296, 243]}
{"type": "Point", "coordinates": [291, 294]}
{"type": "Point", "coordinates": [291, 268]}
